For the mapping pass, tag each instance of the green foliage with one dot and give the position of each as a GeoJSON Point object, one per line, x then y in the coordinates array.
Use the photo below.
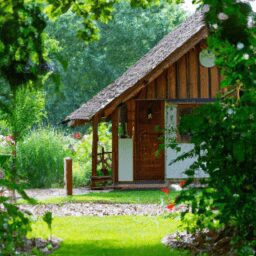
{"type": "Point", "coordinates": [40, 157]}
{"type": "Point", "coordinates": [82, 164]}
{"type": "Point", "coordinates": [47, 218]}
{"type": "Point", "coordinates": [22, 41]}
{"type": "Point", "coordinates": [27, 110]}
{"type": "Point", "coordinates": [223, 132]}
{"type": "Point", "coordinates": [4, 129]}
{"type": "Point", "coordinates": [85, 70]}
{"type": "Point", "coordinates": [223, 136]}
{"type": "Point", "coordinates": [233, 39]}
{"type": "Point", "coordinates": [14, 224]}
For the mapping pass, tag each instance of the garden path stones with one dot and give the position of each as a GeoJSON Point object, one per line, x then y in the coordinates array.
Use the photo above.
{"type": "Point", "coordinates": [95, 209]}
{"type": "Point", "coordinates": [54, 192]}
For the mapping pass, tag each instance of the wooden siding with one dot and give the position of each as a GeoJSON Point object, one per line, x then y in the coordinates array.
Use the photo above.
{"type": "Point", "coordinates": [185, 79]}
{"type": "Point", "coordinates": [130, 117]}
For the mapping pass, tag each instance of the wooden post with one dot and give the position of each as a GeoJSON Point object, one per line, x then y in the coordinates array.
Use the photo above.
{"type": "Point", "coordinates": [115, 122]}
{"type": "Point", "coordinates": [95, 139]}
{"type": "Point", "coordinates": [68, 176]}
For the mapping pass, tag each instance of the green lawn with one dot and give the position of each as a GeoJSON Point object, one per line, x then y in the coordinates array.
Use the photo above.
{"type": "Point", "coordinates": [128, 196]}
{"type": "Point", "coordinates": [111, 236]}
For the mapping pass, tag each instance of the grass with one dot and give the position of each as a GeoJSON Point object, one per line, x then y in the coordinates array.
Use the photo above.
{"type": "Point", "coordinates": [128, 196]}
{"type": "Point", "coordinates": [111, 235]}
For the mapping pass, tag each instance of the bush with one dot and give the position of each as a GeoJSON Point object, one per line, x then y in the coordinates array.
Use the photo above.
{"type": "Point", "coordinates": [82, 164]}
{"type": "Point", "coordinates": [40, 158]}
{"type": "Point", "coordinates": [225, 147]}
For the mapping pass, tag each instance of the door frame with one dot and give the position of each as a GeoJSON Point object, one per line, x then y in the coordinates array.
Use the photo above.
{"type": "Point", "coordinates": [162, 105]}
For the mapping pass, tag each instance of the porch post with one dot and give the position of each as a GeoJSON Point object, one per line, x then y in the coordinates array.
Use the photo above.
{"type": "Point", "coordinates": [115, 122]}
{"type": "Point", "coordinates": [95, 139]}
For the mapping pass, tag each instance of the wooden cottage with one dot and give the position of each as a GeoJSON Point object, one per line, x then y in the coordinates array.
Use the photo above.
{"type": "Point", "coordinates": [162, 86]}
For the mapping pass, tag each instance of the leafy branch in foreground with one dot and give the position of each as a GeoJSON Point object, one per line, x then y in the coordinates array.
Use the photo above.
{"type": "Point", "coordinates": [223, 132]}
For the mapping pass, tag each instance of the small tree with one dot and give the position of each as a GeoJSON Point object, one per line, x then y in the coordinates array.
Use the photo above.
{"type": "Point", "coordinates": [47, 218]}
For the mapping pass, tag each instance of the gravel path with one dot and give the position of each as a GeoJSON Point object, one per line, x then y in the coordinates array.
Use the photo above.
{"type": "Point", "coordinates": [94, 209]}
{"type": "Point", "coordinates": [54, 192]}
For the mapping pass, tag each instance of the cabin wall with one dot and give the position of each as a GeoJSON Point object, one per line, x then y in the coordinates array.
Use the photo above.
{"type": "Point", "coordinates": [176, 170]}
{"type": "Point", "coordinates": [125, 157]}
{"type": "Point", "coordinates": [185, 79]}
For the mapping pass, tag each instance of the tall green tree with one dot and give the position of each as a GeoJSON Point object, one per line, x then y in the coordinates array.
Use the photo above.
{"type": "Point", "coordinates": [85, 70]}
{"type": "Point", "coordinates": [22, 38]}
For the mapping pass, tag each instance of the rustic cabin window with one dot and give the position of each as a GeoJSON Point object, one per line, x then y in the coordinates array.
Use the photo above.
{"type": "Point", "coordinates": [183, 110]}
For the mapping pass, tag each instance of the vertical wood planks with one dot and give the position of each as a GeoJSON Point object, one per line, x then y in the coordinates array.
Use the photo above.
{"type": "Point", "coordinates": [204, 82]}
{"type": "Point", "coordinates": [151, 90]}
{"type": "Point", "coordinates": [182, 78]}
{"type": "Point", "coordinates": [95, 138]}
{"type": "Point", "coordinates": [130, 117]}
{"type": "Point", "coordinates": [172, 83]}
{"type": "Point", "coordinates": [115, 122]}
{"type": "Point", "coordinates": [161, 86]}
{"type": "Point", "coordinates": [215, 81]}
{"type": "Point", "coordinates": [193, 90]}
{"type": "Point", "coordinates": [143, 94]}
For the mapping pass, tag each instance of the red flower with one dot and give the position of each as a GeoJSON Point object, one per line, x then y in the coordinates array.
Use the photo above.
{"type": "Point", "coordinates": [10, 139]}
{"type": "Point", "coordinates": [165, 190]}
{"type": "Point", "coordinates": [171, 206]}
{"type": "Point", "coordinates": [77, 135]}
{"type": "Point", "coordinates": [182, 183]}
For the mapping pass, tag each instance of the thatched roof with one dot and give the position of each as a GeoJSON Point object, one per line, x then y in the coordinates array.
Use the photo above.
{"type": "Point", "coordinates": [193, 26]}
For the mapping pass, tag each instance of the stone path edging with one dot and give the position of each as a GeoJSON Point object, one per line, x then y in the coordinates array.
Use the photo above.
{"type": "Point", "coordinates": [94, 209]}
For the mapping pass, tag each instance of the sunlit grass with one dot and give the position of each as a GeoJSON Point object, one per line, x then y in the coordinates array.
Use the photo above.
{"type": "Point", "coordinates": [129, 196]}
{"type": "Point", "coordinates": [111, 235]}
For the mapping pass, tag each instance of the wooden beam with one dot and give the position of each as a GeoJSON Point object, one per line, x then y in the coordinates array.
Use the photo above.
{"type": "Point", "coordinates": [115, 122]}
{"type": "Point", "coordinates": [77, 122]}
{"type": "Point", "coordinates": [125, 97]}
{"type": "Point", "coordinates": [68, 176]}
{"type": "Point", "coordinates": [177, 54]}
{"type": "Point", "coordinates": [95, 139]}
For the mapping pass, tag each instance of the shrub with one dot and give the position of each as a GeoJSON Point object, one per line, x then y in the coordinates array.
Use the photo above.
{"type": "Point", "coordinates": [223, 134]}
{"type": "Point", "coordinates": [83, 159]}
{"type": "Point", "coordinates": [40, 157]}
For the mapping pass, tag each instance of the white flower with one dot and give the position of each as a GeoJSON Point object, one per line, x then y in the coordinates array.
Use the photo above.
{"type": "Point", "coordinates": [250, 22]}
{"type": "Point", "coordinates": [222, 16]}
{"type": "Point", "coordinates": [215, 26]}
{"type": "Point", "coordinates": [206, 8]}
{"type": "Point", "coordinates": [246, 56]}
{"type": "Point", "coordinates": [230, 111]}
{"type": "Point", "coordinates": [240, 46]}
{"type": "Point", "coordinates": [235, 195]}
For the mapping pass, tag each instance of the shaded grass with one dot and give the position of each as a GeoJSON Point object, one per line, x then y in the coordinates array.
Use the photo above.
{"type": "Point", "coordinates": [111, 235]}
{"type": "Point", "coordinates": [128, 196]}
